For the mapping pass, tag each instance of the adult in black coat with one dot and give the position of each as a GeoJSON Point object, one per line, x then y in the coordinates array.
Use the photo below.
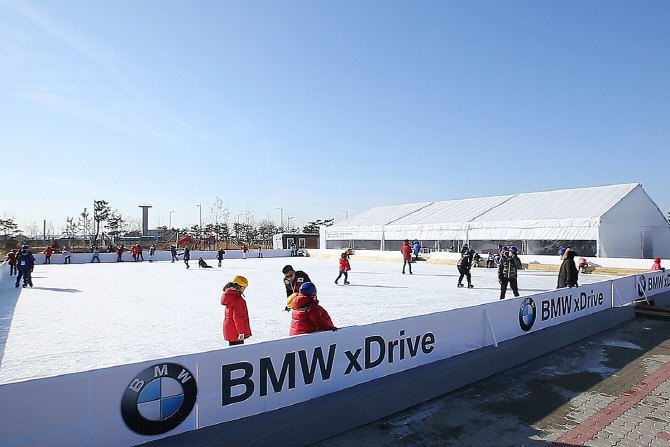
{"type": "Point", "coordinates": [568, 273]}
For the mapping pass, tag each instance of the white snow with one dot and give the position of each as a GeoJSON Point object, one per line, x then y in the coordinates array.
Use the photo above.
{"type": "Point", "coordinates": [79, 317]}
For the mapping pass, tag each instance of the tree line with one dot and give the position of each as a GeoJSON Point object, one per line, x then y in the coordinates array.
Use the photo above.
{"type": "Point", "coordinates": [106, 223]}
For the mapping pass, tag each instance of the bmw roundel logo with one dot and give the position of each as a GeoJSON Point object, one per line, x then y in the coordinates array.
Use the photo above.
{"type": "Point", "coordinates": [527, 314]}
{"type": "Point", "coordinates": [641, 285]}
{"type": "Point", "coordinates": [159, 399]}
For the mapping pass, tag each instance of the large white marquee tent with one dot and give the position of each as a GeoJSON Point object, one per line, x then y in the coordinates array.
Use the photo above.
{"type": "Point", "coordinates": [612, 221]}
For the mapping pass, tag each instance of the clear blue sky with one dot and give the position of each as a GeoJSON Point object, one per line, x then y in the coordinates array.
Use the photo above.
{"type": "Point", "coordinates": [320, 107]}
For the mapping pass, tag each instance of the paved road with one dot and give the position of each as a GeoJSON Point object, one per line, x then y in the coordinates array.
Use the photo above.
{"type": "Point", "coordinates": [611, 389]}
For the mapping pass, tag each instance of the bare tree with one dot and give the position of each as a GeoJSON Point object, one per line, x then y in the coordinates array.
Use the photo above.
{"type": "Point", "coordinates": [101, 213]}
{"type": "Point", "coordinates": [85, 225]}
{"type": "Point", "coordinates": [32, 230]}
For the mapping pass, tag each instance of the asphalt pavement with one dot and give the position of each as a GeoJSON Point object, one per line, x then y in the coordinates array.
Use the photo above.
{"type": "Point", "coordinates": [611, 389]}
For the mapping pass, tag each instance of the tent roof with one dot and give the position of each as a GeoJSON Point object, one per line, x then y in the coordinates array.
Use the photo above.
{"type": "Point", "coordinates": [581, 203]}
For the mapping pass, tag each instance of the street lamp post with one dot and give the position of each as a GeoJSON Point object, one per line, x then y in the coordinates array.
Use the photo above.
{"type": "Point", "coordinates": [170, 221]}
{"type": "Point", "coordinates": [199, 205]}
{"type": "Point", "coordinates": [281, 218]}
{"type": "Point", "coordinates": [288, 222]}
{"type": "Point", "coordinates": [346, 214]}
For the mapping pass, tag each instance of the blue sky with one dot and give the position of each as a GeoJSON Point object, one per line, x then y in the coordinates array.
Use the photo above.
{"type": "Point", "coordinates": [320, 107]}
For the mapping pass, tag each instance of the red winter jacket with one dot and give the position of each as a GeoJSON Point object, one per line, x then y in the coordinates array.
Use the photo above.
{"type": "Point", "coordinates": [406, 251]}
{"type": "Point", "coordinates": [307, 316]}
{"type": "Point", "coordinates": [344, 264]}
{"type": "Point", "coordinates": [236, 318]}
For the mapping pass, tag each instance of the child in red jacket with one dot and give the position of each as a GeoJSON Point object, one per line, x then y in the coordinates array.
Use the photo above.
{"type": "Point", "coordinates": [307, 315]}
{"type": "Point", "coordinates": [344, 269]}
{"type": "Point", "coordinates": [236, 320]}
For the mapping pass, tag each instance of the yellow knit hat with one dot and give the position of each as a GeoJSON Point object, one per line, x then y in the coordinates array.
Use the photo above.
{"type": "Point", "coordinates": [241, 280]}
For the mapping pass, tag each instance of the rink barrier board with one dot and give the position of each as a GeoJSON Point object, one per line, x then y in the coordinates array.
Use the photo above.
{"type": "Point", "coordinates": [244, 388]}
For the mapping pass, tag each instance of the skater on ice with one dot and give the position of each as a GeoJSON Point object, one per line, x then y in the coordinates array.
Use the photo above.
{"type": "Point", "coordinates": [583, 266]}
{"type": "Point", "coordinates": [464, 265]}
{"type": "Point", "coordinates": [307, 315]}
{"type": "Point", "coordinates": [293, 279]}
{"type": "Point", "coordinates": [203, 264]}
{"type": "Point", "coordinates": [507, 271]}
{"type": "Point", "coordinates": [11, 260]}
{"type": "Point", "coordinates": [152, 252]}
{"type": "Point", "coordinates": [67, 256]}
{"type": "Point", "coordinates": [119, 253]}
{"type": "Point", "coordinates": [406, 251]}
{"type": "Point", "coordinates": [96, 254]}
{"type": "Point", "coordinates": [220, 255]}
{"type": "Point", "coordinates": [490, 261]}
{"type": "Point", "coordinates": [567, 274]}
{"type": "Point", "coordinates": [47, 255]}
{"type": "Point", "coordinates": [416, 246]}
{"type": "Point", "coordinates": [187, 256]}
{"type": "Point", "coordinates": [344, 269]}
{"type": "Point", "coordinates": [26, 263]}
{"type": "Point", "coordinates": [173, 252]}
{"type": "Point", "coordinates": [236, 317]}
{"type": "Point", "coordinates": [657, 265]}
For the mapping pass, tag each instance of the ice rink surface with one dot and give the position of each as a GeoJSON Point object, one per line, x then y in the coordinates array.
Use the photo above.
{"type": "Point", "coordinates": [79, 317]}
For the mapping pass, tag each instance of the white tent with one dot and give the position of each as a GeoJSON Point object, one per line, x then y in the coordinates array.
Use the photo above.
{"type": "Point", "coordinates": [620, 220]}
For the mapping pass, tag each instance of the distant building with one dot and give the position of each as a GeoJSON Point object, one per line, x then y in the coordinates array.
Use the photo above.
{"type": "Point", "coordinates": [301, 240]}
{"type": "Point", "coordinates": [617, 221]}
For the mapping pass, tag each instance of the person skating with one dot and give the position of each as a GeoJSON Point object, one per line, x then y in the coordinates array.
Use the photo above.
{"type": "Point", "coordinates": [307, 315]}
{"type": "Point", "coordinates": [67, 256]}
{"type": "Point", "coordinates": [244, 251]}
{"type": "Point", "coordinates": [507, 271]}
{"type": "Point", "coordinates": [464, 265]}
{"type": "Point", "coordinates": [173, 252]}
{"type": "Point", "coordinates": [26, 262]}
{"type": "Point", "coordinates": [416, 246]}
{"type": "Point", "coordinates": [203, 264]}
{"type": "Point", "coordinates": [140, 256]}
{"type": "Point", "coordinates": [567, 274]}
{"type": "Point", "coordinates": [119, 253]}
{"type": "Point", "coordinates": [133, 252]}
{"type": "Point", "coordinates": [406, 251]}
{"type": "Point", "coordinates": [490, 261]}
{"type": "Point", "coordinates": [187, 256]}
{"type": "Point", "coordinates": [657, 265]}
{"type": "Point", "coordinates": [236, 327]}
{"type": "Point", "coordinates": [11, 260]}
{"type": "Point", "coordinates": [344, 269]}
{"type": "Point", "coordinates": [47, 255]}
{"type": "Point", "coordinates": [96, 254]}
{"type": "Point", "coordinates": [220, 255]}
{"type": "Point", "coordinates": [152, 252]}
{"type": "Point", "coordinates": [293, 279]}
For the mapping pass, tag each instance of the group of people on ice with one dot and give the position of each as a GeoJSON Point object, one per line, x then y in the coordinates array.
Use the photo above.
{"type": "Point", "coordinates": [307, 315]}
{"type": "Point", "coordinates": [21, 264]}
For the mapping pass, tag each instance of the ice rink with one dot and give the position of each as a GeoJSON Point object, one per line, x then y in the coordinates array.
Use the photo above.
{"type": "Point", "coordinates": [79, 317]}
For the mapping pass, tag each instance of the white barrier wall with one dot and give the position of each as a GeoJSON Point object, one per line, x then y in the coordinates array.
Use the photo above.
{"type": "Point", "coordinates": [132, 404]}
{"type": "Point", "coordinates": [83, 258]}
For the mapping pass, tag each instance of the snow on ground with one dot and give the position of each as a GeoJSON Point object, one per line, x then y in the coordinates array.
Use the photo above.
{"type": "Point", "coordinates": [85, 316]}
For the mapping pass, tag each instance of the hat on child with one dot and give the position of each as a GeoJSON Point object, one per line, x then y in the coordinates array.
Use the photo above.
{"type": "Point", "coordinates": [241, 280]}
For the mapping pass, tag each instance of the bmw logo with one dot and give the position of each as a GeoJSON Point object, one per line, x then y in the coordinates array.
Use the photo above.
{"type": "Point", "coordinates": [641, 285]}
{"type": "Point", "coordinates": [527, 314]}
{"type": "Point", "coordinates": [159, 399]}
